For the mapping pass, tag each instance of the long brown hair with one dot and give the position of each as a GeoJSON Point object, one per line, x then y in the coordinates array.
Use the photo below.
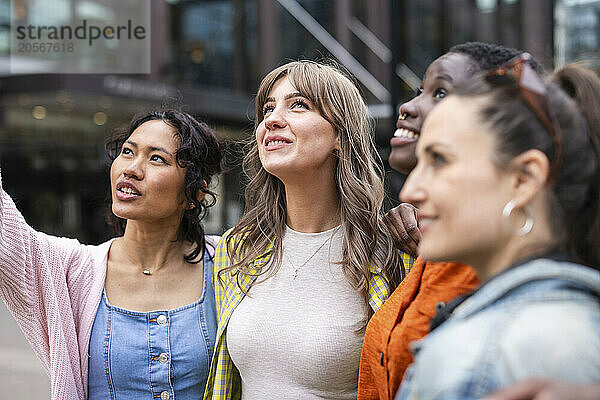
{"type": "Point", "coordinates": [359, 180]}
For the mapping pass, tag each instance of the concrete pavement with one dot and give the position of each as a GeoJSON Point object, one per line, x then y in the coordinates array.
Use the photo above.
{"type": "Point", "coordinates": [21, 374]}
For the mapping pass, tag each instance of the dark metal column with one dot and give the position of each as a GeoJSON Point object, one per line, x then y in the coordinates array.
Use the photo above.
{"type": "Point", "coordinates": [268, 26]}
{"type": "Point", "coordinates": [398, 45]}
{"type": "Point", "coordinates": [537, 21]}
{"type": "Point", "coordinates": [342, 17]}
{"type": "Point", "coordinates": [240, 62]}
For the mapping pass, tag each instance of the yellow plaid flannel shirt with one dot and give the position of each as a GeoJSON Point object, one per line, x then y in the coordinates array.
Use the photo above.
{"type": "Point", "coordinates": [224, 382]}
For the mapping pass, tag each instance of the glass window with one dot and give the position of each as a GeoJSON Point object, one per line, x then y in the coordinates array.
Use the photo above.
{"type": "Point", "coordinates": [4, 27]}
{"type": "Point", "coordinates": [214, 43]}
{"type": "Point", "coordinates": [577, 30]}
{"type": "Point", "coordinates": [206, 50]}
{"type": "Point", "coordinates": [296, 42]}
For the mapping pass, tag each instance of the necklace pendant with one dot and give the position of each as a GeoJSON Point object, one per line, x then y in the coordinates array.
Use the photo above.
{"type": "Point", "coordinates": [147, 272]}
{"type": "Point", "coordinates": [295, 275]}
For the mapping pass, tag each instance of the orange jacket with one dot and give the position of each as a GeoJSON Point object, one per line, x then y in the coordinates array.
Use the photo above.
{"type": "Point", "coordinates": [403, 318]}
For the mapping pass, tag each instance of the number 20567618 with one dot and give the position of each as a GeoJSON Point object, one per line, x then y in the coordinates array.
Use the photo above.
{"type": "Point", "coordinates": [48, 47]}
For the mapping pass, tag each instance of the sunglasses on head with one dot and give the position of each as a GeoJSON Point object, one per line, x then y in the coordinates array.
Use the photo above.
{"type": "Point", "coordinates": [534, 92]}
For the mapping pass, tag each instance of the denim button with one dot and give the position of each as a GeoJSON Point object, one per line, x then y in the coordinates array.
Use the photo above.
{"type": "Point", "coordinates": [161, 319]}
{"type": "Point", "coordinates": [163, 357]}
{"type": "Point", "coordinates": [164, 395]}
{"type": "Point", "coordinates": [440, 306]}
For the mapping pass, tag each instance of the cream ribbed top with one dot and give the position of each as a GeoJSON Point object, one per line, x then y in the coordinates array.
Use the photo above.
{"type": "Point", "coordinates": [296, 338]}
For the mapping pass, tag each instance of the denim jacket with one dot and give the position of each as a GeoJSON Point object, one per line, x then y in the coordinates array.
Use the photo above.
{"type": "Point", "coordinates": [539, 319]}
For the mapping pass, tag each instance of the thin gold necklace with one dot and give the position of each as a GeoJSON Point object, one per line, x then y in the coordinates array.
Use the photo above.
{"type": "Point", "coordinates": [296, 269]}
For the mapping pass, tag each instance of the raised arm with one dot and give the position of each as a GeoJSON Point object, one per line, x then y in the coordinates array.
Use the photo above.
{"type": "Point", "coordinates": [31, 263]}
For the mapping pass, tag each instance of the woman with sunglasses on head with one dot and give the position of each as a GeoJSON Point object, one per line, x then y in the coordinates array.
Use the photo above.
{"type": "Point", "coordinates": [407, 314]}
{"type": "Point", "coordinates": [311, 259]}
{"type": "Point", "coordinates": [508, 182]}
{"type": "Point", "coordinates": [134, 317]}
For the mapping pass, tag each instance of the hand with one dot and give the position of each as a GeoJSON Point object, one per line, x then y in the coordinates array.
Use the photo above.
{"type": "Point", "coordinates": [402, 222]}
{"type": "Point", "coordinates": [540, 389]}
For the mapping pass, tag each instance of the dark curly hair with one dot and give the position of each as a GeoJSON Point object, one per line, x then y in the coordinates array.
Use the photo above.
{"type": "Point", "coordinates": [199, 152]}
{"type": "Point", "coordinates": [487, 56]}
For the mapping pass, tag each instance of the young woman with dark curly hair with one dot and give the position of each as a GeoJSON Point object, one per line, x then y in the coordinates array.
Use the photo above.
{"type": "Point", "coordinates": [133, 317]}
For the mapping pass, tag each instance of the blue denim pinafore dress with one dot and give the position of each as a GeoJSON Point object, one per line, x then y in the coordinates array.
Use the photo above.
{"type": "Point", "coordinates": [153, 355]}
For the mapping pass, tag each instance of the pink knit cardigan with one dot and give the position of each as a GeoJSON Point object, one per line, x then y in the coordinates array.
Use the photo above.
{"type": "Point", "coordinates": [52, 286]}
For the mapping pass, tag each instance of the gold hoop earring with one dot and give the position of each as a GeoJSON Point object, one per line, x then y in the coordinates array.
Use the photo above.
{"type": "Point", "coordinates": [507, 211]}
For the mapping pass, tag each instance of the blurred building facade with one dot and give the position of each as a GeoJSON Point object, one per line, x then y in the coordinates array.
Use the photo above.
{"type": "Point", "coordinates": [210, 55]}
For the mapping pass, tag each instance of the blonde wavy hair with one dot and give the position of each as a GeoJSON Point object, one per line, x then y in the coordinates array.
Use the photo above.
{"type": "Point", "coordinates": [359, 180]}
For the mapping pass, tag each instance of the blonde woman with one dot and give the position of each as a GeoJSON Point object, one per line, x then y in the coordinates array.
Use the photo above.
{"type": "Point", "coordinates": [298, 277]}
